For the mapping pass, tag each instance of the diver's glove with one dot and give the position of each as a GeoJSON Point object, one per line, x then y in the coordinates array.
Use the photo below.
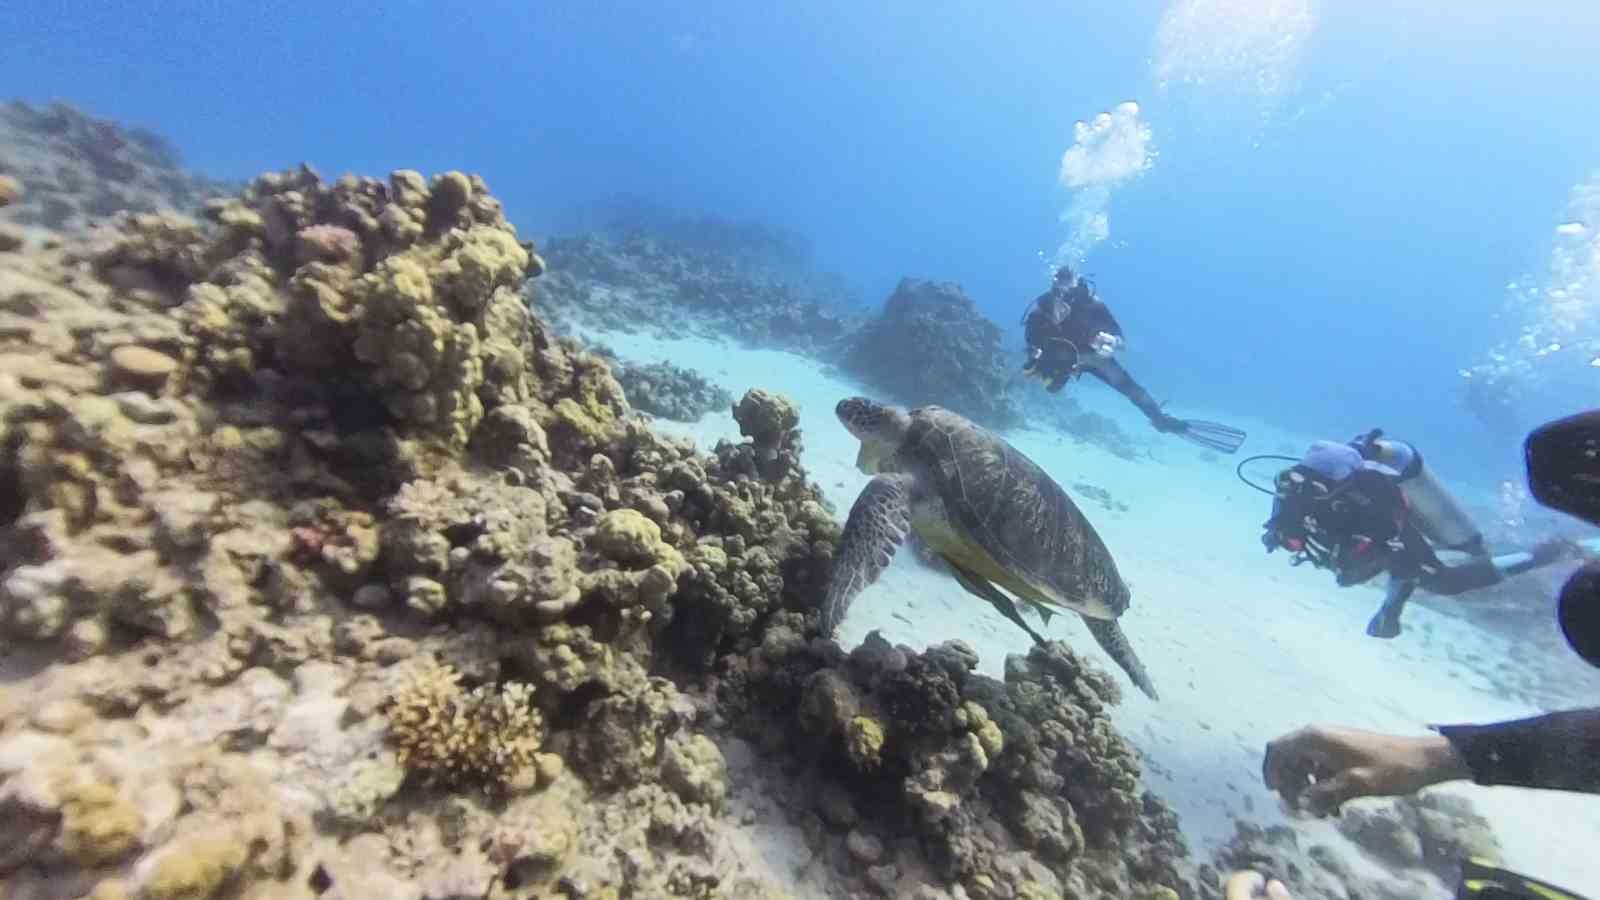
{"type": "Point", "coordinates": [1269, 539]}
{"type": "Point", "coordinates": [1034, 355]}
{"type": "Point", "coordinates": [1105, 344]}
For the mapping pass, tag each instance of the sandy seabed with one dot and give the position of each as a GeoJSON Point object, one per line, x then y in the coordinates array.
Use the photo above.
{"type": "Point", "coordinates": [1241, 646]}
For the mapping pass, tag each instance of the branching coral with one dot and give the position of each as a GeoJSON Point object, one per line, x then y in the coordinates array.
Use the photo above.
{"type": "Point", "coordinates": [446, 733]}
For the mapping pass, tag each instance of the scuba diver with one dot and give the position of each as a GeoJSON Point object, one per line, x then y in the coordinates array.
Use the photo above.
{"type": "Point", "coordinates": [1070, 331]}
{"type": "Point", "coordinates": [1318, 768]}
{"type": "Point", "coordinates": [1371, 505]}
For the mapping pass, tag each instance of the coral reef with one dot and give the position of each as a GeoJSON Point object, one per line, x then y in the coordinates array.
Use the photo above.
{"type": "Point", "coordinates": [1314, 872]}
{"type": "Point", "coordinates": [328, 569]}
{"type": "Point", "coordinates": [665, 390]}
{"type": "Point", "coordinates": [77, 168]}
{"type": "Point", "coordinates": [445, 732]}
{"type": "Point", "coordinates": [931, 345]}
{"type": "Point", "coordinates": [642, 282]}
{"type": "Point", "coordinates": [1017, 788]}
{"type": "Point", "coordinates": [1434, 830]}
{"type": "Point", "coordinates": [1419, 841]}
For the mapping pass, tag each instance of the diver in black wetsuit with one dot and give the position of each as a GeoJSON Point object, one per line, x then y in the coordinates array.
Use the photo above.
{"type": "Point", "coordinates": [1070, 331]}
{"type": "Point", "coordinates": [1319, 768]}
{"type": "Point", "coordinates": [1372, 506]}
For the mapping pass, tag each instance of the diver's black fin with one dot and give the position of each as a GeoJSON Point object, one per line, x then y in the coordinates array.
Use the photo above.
{"type": "Point", "coordinates": [1212, 436]}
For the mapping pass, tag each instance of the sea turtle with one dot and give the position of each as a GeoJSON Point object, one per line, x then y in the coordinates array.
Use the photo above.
{"type": "Point", "coordinates": [987, 510]}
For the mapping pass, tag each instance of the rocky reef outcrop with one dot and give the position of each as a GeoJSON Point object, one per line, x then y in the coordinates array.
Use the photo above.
{"type": "Point", "coordinates": [327, 569]}
{"type": "Point", "coordinates": [1418, 840]}
{"type": "Point", "coordinates": [310, 526]}
{"type": "Point", "coordinates": [639, 282]}
{"type": "Point", "coordinates": [79, 168]}
{"type": "Point", "coordinates": [665, 390]}
{"type": "Point", "coordinates": [918, 773]}
{"type": "Point", "coordinates": [931, 345]}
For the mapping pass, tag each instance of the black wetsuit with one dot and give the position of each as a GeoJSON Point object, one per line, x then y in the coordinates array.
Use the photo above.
{"type": "Point", "coordinates": [1557, 751]}
{"type": "Point", "coordinates": [1064, 346]}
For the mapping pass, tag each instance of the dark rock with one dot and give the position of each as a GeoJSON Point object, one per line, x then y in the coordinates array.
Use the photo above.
{"type": "Point", "coordinates": [931, 345]}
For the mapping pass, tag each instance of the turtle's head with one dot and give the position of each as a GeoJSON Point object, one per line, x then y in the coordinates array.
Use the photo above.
{"type": "Point", "coordinates": [880, 428]}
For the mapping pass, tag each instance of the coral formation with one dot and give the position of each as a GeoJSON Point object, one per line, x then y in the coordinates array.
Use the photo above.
{"type": "Point", "coordinates": [931, 345]}
{"type": "Point", "coordinates": [1434, 830]}
{"type": "Point", "coordinates": [300, 499]}
{"type": "Point", "coordinates": [1009, 789]}
{"type": "Point", "coordinates": [665, 390]}
{"type": "Point", "coordinates": [446, 732]}
{"type": "Point", "coordinates": [642, 281]}
{"type": "Point", "coordinates": [1418, 840]}
{"type": "Point", "coordinates": [78, 168]}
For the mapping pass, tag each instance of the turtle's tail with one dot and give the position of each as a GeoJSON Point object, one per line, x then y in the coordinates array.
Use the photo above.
{"type": "Point", "coordinates": [1109, 634]}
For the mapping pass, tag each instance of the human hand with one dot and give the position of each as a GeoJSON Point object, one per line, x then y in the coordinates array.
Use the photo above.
{"type": "Point", "coordinates": [1249, 885]}
{"type": "Point", "coordinates": [1105, 343]}
{"type": "Point", "coordinates": [1317, 769]}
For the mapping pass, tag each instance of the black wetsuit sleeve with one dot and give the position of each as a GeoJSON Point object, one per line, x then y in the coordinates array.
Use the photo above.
{"type": "Point", "coordinates": [1092, 317]}
{"type": "Point", "coordinates": [1558, 751]}
{"type": "Point", "coordinates": [1112, 373]}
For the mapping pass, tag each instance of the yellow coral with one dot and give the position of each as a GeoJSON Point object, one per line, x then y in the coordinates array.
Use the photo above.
{"type": "Point", "coordinates": [864, 741]}
{"type": "Point", "coordinates": [98, 826]}
{"type": "Point", "coordinates": [626, 536]}
{"type": "Point", "coordinates": [194, 867]}
{"type": "Point", "coordinates": [591, 429]}
{"type": "Point", "coordinates": [110, 889]}
{"type": "Point", "coordinates": [447, 734]}
{"type": "Point", "coordinates": [990, 738]}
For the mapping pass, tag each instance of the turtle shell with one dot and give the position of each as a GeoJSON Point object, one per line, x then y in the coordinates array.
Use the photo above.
{"type": "Point", "coordinates": [996, 496]}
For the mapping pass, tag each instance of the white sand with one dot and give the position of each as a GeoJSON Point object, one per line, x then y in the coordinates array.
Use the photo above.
{"type": "Point", "coordinates": [1241, 646]}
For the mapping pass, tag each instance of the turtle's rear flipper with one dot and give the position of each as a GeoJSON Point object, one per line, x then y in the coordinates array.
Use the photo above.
{"type": "Point", "coordinates": [1109, 634]}
{"type": "Point", "coordinates": [982, 589]}
{"type": "Point", "coordinates": [878, 522]}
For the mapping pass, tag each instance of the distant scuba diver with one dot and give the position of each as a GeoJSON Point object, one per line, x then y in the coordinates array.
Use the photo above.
{"type": "Point", "coordinates": [1371, 505]}
{"type": "Point", "coordinates": [1070, 331]}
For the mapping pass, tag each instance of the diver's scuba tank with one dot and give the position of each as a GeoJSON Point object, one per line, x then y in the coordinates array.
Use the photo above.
{"type": "Point", "coordinates": [1433, 510]}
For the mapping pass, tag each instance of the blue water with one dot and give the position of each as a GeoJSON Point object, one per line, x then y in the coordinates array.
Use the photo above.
{"type": "Point", "coordinates": [1328, 259]}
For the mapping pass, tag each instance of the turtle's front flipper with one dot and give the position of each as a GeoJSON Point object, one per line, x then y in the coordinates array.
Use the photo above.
{"type": "Point", "coordinates": [984, 590]}
{"type": "Point", "coordinates": [878, 523]}
{"type": "Point", "coordinates": [1116, 645]}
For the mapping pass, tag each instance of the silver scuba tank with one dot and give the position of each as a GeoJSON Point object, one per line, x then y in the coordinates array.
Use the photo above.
{"type": "Point", "coordinates": [1433, 509]}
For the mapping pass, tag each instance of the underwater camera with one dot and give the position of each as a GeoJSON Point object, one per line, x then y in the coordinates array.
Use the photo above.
{"type": "Point", "coordinates": [1563, 461]}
